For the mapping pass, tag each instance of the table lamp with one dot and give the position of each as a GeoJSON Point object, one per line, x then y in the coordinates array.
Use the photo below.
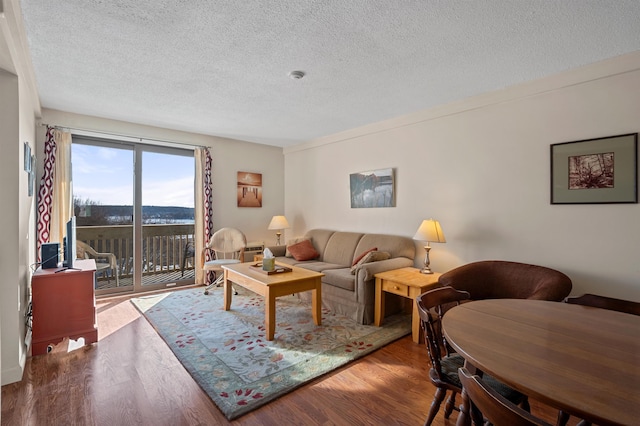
{"type": "Point", "coordinates": [429, 231]}
{"type": "Point", "coordinates": [278, 223]}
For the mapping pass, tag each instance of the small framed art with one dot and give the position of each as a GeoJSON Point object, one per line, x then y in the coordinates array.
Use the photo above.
{"type": "Point", "coordinates": [32, 175]}
{"type": "Point", "coordinates": [27, 157]}
{"type": "Point", "coordinates": [595, 171]}
{"type": "Point", "coordinates": [249, 189]}
{"type": "Point", "coordinates": [374, 188]}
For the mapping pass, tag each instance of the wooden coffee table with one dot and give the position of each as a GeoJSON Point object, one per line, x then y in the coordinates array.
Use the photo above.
{"type": "Point", "coordinates": [272, 286]}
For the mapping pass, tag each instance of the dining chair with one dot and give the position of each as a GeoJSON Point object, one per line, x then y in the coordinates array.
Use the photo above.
{"type": "Point", "coordinates": [432, 305]}
{"type": "Point", "coordinates": [602, 302]}
{"type": "Point", "coordinates": [488, 404]}
{"type": "Point", "coordinates": [226, 247]}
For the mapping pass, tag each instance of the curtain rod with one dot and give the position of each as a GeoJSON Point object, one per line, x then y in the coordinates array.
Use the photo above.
{"type": "Point", "coordinates": [120, 135]}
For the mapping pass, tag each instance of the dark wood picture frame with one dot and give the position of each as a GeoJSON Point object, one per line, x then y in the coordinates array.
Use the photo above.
{"type": "Point", "coordinates": [595, 171]}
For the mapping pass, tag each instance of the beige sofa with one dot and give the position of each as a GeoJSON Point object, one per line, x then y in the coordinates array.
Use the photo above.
{"type": "Point", "coordinates": [345, 293]}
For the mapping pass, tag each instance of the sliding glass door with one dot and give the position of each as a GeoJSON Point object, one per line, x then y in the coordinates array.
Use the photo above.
{"type": "Point", "coordinates": [167, 195]}
{"type": "Point", "coordinates": [134, 211]}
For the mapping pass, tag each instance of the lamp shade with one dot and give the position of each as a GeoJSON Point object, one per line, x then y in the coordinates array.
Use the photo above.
{"type": "Point", "coordinates": [430, 231]}
{"type": "Point", "coordinates": [278, 222]}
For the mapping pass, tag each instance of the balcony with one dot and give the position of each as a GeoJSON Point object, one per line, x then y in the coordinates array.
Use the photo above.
{"type": "Point", "coordinates": [167, 252]}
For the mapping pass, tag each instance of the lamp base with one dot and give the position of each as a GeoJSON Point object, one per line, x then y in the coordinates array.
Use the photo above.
{"type": "Point", "coordinates": [426, 269]}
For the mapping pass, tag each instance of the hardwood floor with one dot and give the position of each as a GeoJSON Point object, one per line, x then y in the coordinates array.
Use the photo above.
{"type": "Point", "coordinates": [131, 377]}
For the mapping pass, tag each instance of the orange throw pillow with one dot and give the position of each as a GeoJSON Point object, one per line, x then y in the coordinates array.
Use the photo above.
{"type": "Point", "coordinates": [366, 252]}
{"type": "Point", "coordinates": [303, 250]}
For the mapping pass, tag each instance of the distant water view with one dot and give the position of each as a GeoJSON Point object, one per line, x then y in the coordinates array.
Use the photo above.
{"type": "Point", "coordinates": [96, 214]}
{"type": "Point", "coordinates": [154, 221]}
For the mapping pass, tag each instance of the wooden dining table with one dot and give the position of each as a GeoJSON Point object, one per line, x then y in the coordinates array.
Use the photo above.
{"type": "Point", "coordinates": [582, 360]}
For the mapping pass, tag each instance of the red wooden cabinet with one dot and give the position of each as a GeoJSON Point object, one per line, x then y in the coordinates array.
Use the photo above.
{"type": "Point", "coordinates": [63, 305]}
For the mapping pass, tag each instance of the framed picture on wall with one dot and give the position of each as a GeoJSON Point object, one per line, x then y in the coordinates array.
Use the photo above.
{"type": "Point", "coordinates": [372, 189]}
{"type": "Point", "coordinates": [27, 157]}
{"type": "Point", "coordinates": [249, 189]}
{"type": "Point", "coordinates": [32, 175]}
{"type": "Point", "coordinates": [595, 171]}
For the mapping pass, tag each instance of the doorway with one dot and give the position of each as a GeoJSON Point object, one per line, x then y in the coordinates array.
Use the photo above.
{"type": "Point", "coordinates": [134, 203]}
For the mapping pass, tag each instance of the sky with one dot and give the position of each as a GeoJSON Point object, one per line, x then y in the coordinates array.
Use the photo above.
{"type": "Point", "coordinates": [105, 175]}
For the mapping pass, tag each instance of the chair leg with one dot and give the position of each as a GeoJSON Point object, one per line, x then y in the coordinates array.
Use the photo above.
{"type": "Point", "coordinates": [563, 418]}
{"type": "Point", "coordinates": [476, 416]}
{"type": "Point", "coordinates": [435, 405]}
{"type": "Point", "coordinates": [450, 405]}
{"type": "Point", "coordinates": [216, 283]}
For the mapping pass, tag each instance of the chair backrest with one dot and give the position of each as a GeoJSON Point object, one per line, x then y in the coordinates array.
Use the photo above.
{"type": "Point", "coordinates": [432, 306]}
{"type": "Point", "coordinates": [495, 408]}
{"type": "Point", "coordinates": [84, 250]}
{"type": "Point", "coordinates": [604, 302]}
{"type": "Point", "coordinates": [228, 243]}
{"type": "Point", "coordinates": [501, 279]}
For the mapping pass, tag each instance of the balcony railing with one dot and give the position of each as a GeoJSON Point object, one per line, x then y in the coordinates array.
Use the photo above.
{"type": "Point", "coordinates": [165, 247]}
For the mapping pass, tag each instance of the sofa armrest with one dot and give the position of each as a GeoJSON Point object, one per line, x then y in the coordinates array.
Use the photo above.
{"type": "Point", "coordinates": [277, 250]}
{"type": "Point", "coordinates": [367, 271]}
{"type": "Point", "coordinates": [364, 288]}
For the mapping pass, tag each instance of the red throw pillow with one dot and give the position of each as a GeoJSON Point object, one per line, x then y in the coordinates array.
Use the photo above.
{"type": "Point", "coordinates": [366, 252]}
{"type": "Point", "coordinates": [303, 251]}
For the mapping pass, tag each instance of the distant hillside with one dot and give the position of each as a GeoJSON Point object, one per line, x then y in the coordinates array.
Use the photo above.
{"type": "Point", "coordinates": [108, 214]}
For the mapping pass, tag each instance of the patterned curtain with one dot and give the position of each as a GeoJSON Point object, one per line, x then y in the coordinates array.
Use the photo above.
{"type": "Point", "coordinates": [62, 194]}
{"type": "Point", "coordinates": [203, 211]}
{"type": "Point", "coordinates": [46, 190]}
{"type": "Point", "coordinates": [55, 206]}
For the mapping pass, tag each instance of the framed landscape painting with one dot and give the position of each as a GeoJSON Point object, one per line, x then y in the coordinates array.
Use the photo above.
{"type": "Point", "coordinates": [372, 189]}
{"type": "Point", "coordinates": [595, 171]}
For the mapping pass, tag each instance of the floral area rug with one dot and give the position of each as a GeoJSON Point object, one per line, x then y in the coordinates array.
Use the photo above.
{"type": "Point", "coordinates": [228, 355]}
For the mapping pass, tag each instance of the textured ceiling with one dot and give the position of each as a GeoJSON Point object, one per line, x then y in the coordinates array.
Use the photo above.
{"type": "Point", "coordinates": [221, 67]}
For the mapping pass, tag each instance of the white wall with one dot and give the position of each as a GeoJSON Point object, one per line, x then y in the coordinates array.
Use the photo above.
{"type": "Point", "coordinates": [17, 221]}
{"type": "Point", "coordinates": [481, 167]}
{"type": "Point", "coordinates": [229, 157]}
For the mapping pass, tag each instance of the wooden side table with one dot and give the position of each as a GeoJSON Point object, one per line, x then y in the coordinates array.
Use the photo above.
{"type": "Point", "coordinates": [406, 282]}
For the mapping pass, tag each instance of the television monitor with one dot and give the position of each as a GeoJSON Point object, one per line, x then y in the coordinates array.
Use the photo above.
{"type": "Point", "coordinates": [69, 243]}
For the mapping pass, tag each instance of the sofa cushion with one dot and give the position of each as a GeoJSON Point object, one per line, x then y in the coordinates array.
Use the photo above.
{"type": "Point", "coordinates": [293, 241]}
{"type": "Point", "coordinates": [372, 256]}
{"type": "Point", "coordinates": [314, 265]}
{"type": "Point", "coordinates": [395, 245]}
{"type": "Point", "coordinates": [341, 248]}
{"type": "Point", "coordinates": [286, 260]}
{"type": "Point", "coordinates": [341, 278]}
{"type": "Point", "coordinates": [364, 253]}
{"type": "Point", "coordinates": [303, 250]}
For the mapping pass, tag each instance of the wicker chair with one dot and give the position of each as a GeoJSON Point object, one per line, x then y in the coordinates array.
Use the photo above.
{"type": "Point", "coordinates": [227, 246]}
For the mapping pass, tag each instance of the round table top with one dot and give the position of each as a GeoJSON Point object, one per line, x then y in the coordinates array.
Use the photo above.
{"type": "Point", "coordinates": [583, 360]}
